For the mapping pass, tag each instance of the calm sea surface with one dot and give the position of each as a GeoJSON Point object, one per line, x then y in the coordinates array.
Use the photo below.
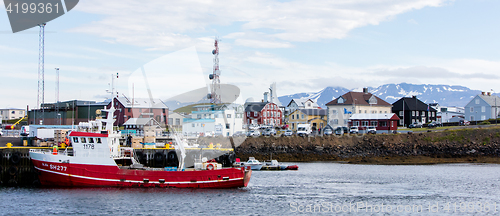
{"type": "Point", "coordinates": [316, 188]}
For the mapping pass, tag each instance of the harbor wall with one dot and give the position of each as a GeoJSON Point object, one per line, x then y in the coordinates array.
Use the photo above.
{"type": "Point", "coordinates": [449, 146]}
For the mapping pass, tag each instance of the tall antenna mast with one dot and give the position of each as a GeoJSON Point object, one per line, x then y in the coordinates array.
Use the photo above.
{"type": "Point", "coordinates": [214, 95]}
{"type": "Point", "coordinates": [57, 96]}
{"type": "Point", "coordinates": [41, 75]}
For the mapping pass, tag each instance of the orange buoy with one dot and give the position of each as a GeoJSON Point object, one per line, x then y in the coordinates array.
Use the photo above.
{"type": "Point", "coordinates": [55, 150]}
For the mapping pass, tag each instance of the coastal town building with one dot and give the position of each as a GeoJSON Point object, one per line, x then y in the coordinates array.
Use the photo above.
{"type": "Point", "coordinates": [139, 108]}
{"type": "Point", "coordinates": [447, 114]}
{"type": "Point", "coordinates": [411, 110]}
{"type": "Point", "coordinates": [212, 120]}
{"type": "Point", "coordinates": [12, 113]}
{"type": "Point", "coordinates": [384, 123]}
{"type": "Point", "coordinates": [262, 113]}
{"type": "Point", "coordinates": [66, 112]}
{"type": "Point", "coordinates": [482, 107]}
{"type": "Point", "coordinates": [303, 103]}
{"type": "Point", "coordinates": [343, 107]}
{"type": "Point", "coordinates": [175, 120]}
{"type": "Point", "coordinates": [317, 118]}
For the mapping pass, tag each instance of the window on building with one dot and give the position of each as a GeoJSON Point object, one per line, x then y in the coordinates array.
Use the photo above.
{"type": "Point", "coordinates": [392, 123]}
{"type": "Point", "coordinates": [380, 111]}
{"type": "Point", "coordinates": [401, 122]}
{"type": "Point", "coordinates": [471, 118]}
{"type": "Point", "coordinates": [228, 115]}
{"type": "Point", "coordinates": [293, 125]}
{"type": "Point", "coordinates": [412, 113]}
{"type": "Point", "coordinates": [355, 123]}
{"type": "Point", "coordinates": [128, 109]}
{"type": "Point", "coordinates": [383, 124]}
{"type": "Point", "coordinates": [198, 116]}
{"type": "Point", "coordinates": [359, 111]}
{"type": "Point", "coordinates": [346, 121]}
{"type": "Point", "coordinates": [177, 121]}
{"type": "Point", "coordinates": [170, 121]}
{"type": "Point", "coordinates": [385, 112]}
{"type": "Point", "coordinates": [423, 113]}
{"type": "Point", "coordinates": [293, 117]}
{"type": "Point", "coordinates": [302, 116]}
{"type": "Point", "coordinates": [483, 109]}
{"type": "Point", "coordinates": [13, 112]}
{"type": "Point", "coordinates": [373, 123]}
{"type": "Point", "coordinates": [483, 117]}
{"type": "Point", "coordinates": [366, 111]}
{"type": "Point", "coordinates": [477, 101]}
{"type": "Point", "coordinates": [192, 125]}
{"type": "Point", "coordinates": [417, 112]}
{"type": "Point", "coordinates": [472, 109]}
{"type": "Point", "coordinates": [297, 116]}
{"type": "Point", "coordinates": [364, 123]}
{"type": "Point", "coordinates": [335, 121]}
{"type": "Point", "coordinates": [228, 126]}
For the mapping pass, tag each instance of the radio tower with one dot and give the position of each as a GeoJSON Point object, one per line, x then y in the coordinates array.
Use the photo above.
{"type": "Point", "coordinates": [214, 95]}
{"type": "Point", "coordinates": [41, 75]}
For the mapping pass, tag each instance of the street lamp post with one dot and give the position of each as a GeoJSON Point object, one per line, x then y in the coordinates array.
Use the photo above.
{"type": "Point", "coordinates": [496, 114]}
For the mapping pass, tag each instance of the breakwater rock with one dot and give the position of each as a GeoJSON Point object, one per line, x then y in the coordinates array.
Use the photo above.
{"type": "Point", "coordinates": [465, 145]}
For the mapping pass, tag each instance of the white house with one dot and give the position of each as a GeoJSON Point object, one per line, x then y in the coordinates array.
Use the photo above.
{"type": "Point", "coordinates": [210, 120]}
{"type": "Point", "coordinates": [12, 113]}
{"type": "Point", "coordinates": [448, 113]}
{"type": "Point", "coordinates": [482, 107]}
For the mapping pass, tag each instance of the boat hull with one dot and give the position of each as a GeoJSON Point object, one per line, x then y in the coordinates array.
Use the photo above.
{"type": "Point", "coordinates": [57, 174]}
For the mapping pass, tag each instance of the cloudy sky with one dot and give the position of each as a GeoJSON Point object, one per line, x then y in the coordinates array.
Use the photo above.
{"type": "Point", "coordinates": [301, 45]}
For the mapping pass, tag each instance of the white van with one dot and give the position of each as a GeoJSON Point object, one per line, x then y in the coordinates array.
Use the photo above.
{"type": "Point", "coordinates": [304, 130]}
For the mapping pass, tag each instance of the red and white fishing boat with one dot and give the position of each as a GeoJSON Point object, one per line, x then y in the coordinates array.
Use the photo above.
{"type": "Point", "coordinates": [92, 164]}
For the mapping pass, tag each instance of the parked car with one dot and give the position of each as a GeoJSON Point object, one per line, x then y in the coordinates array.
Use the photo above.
{"type": "Point", "coordinates": [288, 133]}
{"type": "Point", "coordinates": [253, 127]}
{"type": "Point", "coordinates": [434, 124]}
{"type": "Point", "coordinates": [354, 130]}
{"type": "Point", "coordinates": [371, 130]}
{"type": "Point", "coordinates": [327, 131]}
{"type": "Point", "coordinates": [253, 133]}
{"type": "Point", "coordinates": [239, 134]}
{"type": "Point", "coordinates": [464, 122]}
{"type": "Point", "coordinates": [269, 132]}
{"type": "Point", "coordinates": [415, 125]}
{"type": "Point", "coordinates": [341, 130]}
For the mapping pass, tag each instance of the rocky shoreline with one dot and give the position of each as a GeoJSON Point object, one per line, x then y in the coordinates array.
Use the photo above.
{"type": "Point", "coordinates": [479, 145]}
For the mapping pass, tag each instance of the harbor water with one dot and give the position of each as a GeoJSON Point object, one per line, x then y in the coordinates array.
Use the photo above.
{"type": "Point", "coordinates": [316, 189]}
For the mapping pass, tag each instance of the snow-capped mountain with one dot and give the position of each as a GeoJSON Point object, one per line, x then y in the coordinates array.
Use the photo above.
{"type": "Point", "coordinates": [445, 95]}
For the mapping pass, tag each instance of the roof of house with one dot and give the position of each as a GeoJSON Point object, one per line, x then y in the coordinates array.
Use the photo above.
{"type": "Point", "coordinates": [301, 102]}
{"type": "Point", "coordinates": [255, 106]}
{"type": "Point", "coordinates": [141, 121]}
{"type": "Point", "coordinates": [411, 103]}
{"type": "Point", "coordinates": [490, 99]}
{"type": "Point", "coordinates": [320, 112]}
{"type": "Point", "coordinates": [141, 103]}
{"type": "Point", "coordinates": [359, 98]}
{"type": "Point", "coordinates": [378, 116]}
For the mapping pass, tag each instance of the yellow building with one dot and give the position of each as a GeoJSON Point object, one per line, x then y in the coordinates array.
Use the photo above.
{"type": "Point", "coordinates": [315, 117]}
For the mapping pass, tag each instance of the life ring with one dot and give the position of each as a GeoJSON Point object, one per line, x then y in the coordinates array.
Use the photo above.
{"type": "Point", "coordinates": [15, 158]}
{"type": "Point", "coordinates": [210, 166]}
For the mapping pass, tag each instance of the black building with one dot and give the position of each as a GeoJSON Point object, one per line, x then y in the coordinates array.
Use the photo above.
{"type": "Point", "coordinates": [411, 109]}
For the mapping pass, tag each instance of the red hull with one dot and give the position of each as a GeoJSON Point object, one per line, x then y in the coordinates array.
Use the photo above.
{"type": "Point", "coordinates": [83, 175]}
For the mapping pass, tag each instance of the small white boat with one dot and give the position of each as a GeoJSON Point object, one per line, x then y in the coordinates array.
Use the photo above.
{"type": "Point", "coordinates": [253, 163]}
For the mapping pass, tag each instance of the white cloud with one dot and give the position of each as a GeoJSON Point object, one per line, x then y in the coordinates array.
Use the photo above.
{"type": "Point", "coordinates": [168, 25]}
